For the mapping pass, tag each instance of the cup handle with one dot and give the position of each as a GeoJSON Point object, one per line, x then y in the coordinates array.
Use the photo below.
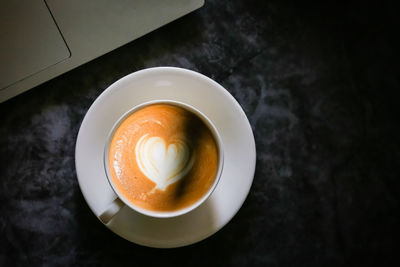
{"type": "Point", "coordinates": [112, 210]}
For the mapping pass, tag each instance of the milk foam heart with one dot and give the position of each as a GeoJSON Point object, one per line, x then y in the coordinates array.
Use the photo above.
{"type": "Point", "coordinates": [163, 164]}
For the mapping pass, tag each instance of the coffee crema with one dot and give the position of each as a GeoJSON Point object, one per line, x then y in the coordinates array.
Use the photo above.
{"type": "Point", "coordinates": [163, 158]}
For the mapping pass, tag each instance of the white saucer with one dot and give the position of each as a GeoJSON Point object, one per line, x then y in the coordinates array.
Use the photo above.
{"type": "Point", "coordinates": [200, 92]}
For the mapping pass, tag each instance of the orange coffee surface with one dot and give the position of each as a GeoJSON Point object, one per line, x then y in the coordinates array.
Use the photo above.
{"type": "Point", "coordinates": [147, 142]}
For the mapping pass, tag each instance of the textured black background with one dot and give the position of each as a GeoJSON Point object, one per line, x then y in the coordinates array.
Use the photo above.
{"type": "Point", "coordinates": [318, 82]}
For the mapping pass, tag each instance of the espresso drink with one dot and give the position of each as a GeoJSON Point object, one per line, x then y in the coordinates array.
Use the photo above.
{"type": "Point", "coordinates": [163, 158]}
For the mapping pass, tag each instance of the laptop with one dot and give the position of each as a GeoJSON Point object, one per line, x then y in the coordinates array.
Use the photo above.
{"type": "Point", "coordinates": [41, 39]}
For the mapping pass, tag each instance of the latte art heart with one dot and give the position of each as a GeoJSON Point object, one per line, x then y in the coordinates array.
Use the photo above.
{"type": "Point", "coordinates": [163, 164]}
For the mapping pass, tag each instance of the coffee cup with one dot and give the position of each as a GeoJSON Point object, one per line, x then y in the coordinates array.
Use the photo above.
{"type": "Point", "coordinates": [163, 159]}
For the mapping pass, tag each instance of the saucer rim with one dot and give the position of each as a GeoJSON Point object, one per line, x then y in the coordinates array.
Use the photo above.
{"type": "Point", "coordinates": [251, 160]}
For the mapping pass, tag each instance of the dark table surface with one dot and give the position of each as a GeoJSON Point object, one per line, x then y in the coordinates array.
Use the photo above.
{"type": "Point", "coordinates": [318, 84]}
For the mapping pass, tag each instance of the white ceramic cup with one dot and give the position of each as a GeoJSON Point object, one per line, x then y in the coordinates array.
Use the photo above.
{"type": "Point", "coordinates": [121, 201]}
